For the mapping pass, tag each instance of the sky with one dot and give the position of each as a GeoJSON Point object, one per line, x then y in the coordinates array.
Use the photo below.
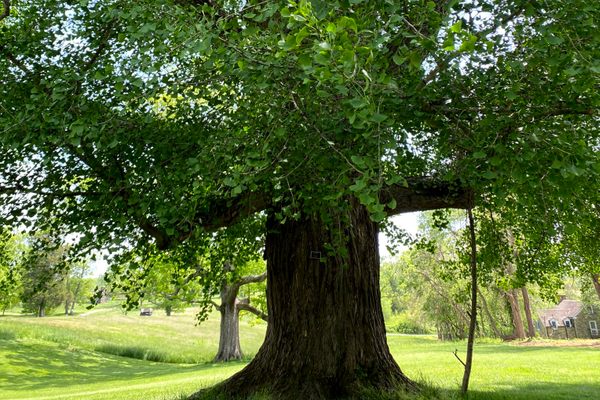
{"type": "Point", "coordinates": [409, 223]}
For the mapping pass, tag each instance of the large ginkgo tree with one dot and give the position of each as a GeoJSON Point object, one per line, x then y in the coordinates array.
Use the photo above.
{"type": "Point", "coordinates": [158, 123]}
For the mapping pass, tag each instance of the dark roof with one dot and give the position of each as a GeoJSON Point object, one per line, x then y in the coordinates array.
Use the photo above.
{"type": "Point", "coordinates": [564, 310]}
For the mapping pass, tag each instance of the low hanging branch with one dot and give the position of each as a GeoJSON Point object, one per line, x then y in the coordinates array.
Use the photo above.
{"type": "Point", "coordinates": [469, 361]}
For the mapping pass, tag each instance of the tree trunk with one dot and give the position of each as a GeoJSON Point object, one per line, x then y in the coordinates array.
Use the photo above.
{"type": "Point", "coordinates": [596, 280]}
{"type": "Point", "coordinates": [513, 299]}
{"type": "Point", "coordinates": [326, 337]}
{"type": "Point", "coordinates": [42, 309]}
{"type": "Point", "coordinates": [75, 294]}
{"type": "Point", "coordinates": [490, 317]}
{"type": "Point", "coordinates": [229, 338]}
{"type": "Point", "coordinates": [473, 322]}
{"type": "Point", "coordinates": [168, 310]}
{"type": "Point", "coordinates": [526, 305]}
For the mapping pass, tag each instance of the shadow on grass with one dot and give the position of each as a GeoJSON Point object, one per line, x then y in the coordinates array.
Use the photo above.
{"type": "Point", "coordinates": [36, 366]}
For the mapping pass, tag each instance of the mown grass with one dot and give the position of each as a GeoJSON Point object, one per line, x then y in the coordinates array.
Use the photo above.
{"type": "Point", "coordinates": [168, 357]}
{"type": "Point", "coordinates": [173, 339]}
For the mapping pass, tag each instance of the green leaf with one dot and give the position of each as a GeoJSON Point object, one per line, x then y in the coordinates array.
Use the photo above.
{"type": "Point", "coordinates": [148, 27]}
{"type": "Point", "coordinates": [495, 161]}
{"type": "Point", "coordinates": [305, 61]}
{"type": "Point", "coordinates": [556, 164]}
{"type": "Point", "coordinates": [456, 27]}
{"type": "Point", "coordinates": [358, 186]}
{"type": "Point", "coordinates": [366, 198]}
{"type": "Point", "coordinates": [378, 216]}
{"type": "Point", "coordinates": [554, 39]}
{"type": "Point", "coordinates": [357, 102]}
{"type": "Point", "coordinates": [348, 22]}
{"type": "Point", "coordinates": [325, 46]}
{"type": "Point", "coordinates": [392, 204]}
{"type": "Point", "coordinates": [358, 161]}
{"type": "Point", "coordinates": [489, 175]}
{"type": "Point", "coordinates": [378, 118]}
{"type": "Point", "coordinates": [398, 59]}
{"type": "Point", "coordinates": [479, 155]}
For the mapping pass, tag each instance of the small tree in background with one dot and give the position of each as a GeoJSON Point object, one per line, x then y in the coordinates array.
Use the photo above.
{"type": "Point", "coordinates": [78, 287]}
{"type": "Point", "coordinates": [12, 250]}
{"type": "Point", "coordinates": [43, 279]}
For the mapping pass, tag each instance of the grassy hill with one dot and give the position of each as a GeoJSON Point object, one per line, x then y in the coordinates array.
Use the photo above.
{"type": "Point", "coordinates": [105, 354]}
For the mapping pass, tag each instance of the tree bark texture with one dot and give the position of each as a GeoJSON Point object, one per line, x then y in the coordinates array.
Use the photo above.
{"type": "Point", "coordinates": [527, 306]}
{"type": "Point", "coordinates": [513, 299]}
{"type": "Point", "coordinates": [229, 337]}
{"type": "Point", "coordinates": [326, 336]}
{"type": "Point", "coordinates": [596, 280]}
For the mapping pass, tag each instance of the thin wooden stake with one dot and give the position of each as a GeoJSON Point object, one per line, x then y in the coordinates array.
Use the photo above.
{"type": "Point", "coordinates": [473, 322]}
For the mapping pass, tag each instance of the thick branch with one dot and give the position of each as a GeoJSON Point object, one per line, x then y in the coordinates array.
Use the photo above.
{"type": "Point", "coordinates": [251, 279]}
{"type": "Point", "coordinates": [245, 306]}
{"type": "Point", "coordinates": [105, 35]}
{"type": "Point", "coordinates": [424, 194]}
{"type": "Point", "coordinates": [248, 279]}
{"type": "Point", "coordinates": [223, 213]}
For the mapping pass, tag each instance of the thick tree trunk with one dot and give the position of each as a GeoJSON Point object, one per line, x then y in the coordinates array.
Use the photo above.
{"type": "Point", "coordinates": [229, 339]}
{"type": "Point", "coordinates": [513, 300]}
{"type": "Point", "coordinates": [596, 280]}
{"type": "Point", "coordinates": [326, 337]}
{"type": "Point", "coordinates": [527, 306]}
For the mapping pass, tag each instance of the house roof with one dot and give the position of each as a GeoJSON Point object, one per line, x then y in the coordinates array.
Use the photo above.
{"type": "Point", "coordinates": [564, 310]}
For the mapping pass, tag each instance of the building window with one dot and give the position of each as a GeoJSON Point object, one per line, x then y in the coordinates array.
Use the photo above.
{"type": "Point", "coordinates": [593, 328]}
{"type": "Point", "coordinates": [568, 323]}
{"type": "Point", "coordinates": [553, 324]}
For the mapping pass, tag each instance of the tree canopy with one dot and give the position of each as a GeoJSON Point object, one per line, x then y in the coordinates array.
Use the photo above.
{"type": "Point", "coordinates": [175, 119]}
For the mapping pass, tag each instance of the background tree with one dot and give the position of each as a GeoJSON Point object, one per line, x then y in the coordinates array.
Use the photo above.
{"type": "Point", "coordinates": [231, 305]}
{"type": "Point", "coordinates": [78, 286]}
{"type": "Point", "coordinates": [12, 253]}
{"type": "Point", "coordinates": [43, 277]}
{"type": "Point", "coordinates": [167, 280]}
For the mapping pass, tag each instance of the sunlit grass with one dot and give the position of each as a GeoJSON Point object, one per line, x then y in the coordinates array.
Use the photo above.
{"type": "Point", "coordinates": [174, 339]}
{"type": "Point", "coordinates": [74, 358]}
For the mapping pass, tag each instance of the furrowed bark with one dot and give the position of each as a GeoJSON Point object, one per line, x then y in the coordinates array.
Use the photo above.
{"type": "Point", "coordinates": [513, 300]}
{"type": "Point", "coordinates": [527, 306]}
{"type": "Point", "coordinates": [326, 336]}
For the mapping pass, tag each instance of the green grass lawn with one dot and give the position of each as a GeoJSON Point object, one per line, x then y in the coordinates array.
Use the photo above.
{"type": "Point", "coordinates": [77, 357]}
